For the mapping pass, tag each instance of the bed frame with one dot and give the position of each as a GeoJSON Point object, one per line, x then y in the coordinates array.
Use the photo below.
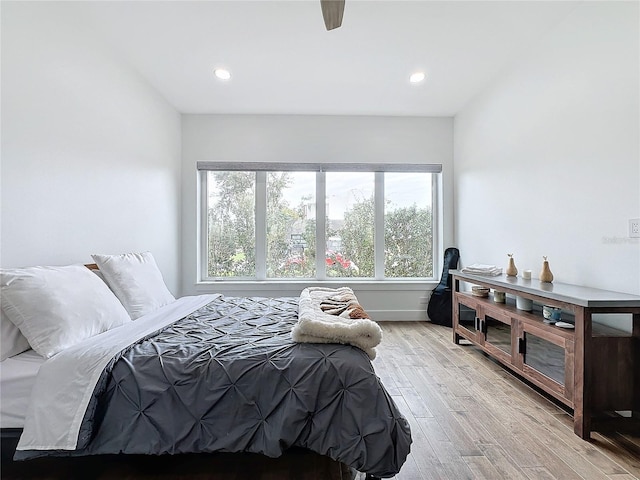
{"type": "Point", "coordinates": [8, 442]}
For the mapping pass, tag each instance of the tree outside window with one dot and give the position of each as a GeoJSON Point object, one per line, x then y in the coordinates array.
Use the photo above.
{"type": "Point", "coordinates": [289, 210]}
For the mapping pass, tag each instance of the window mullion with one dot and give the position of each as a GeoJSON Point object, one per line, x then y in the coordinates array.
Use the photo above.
{"type": "Point", "coordinates": [437, 250]}
{"type": "Point", "coordinates": [321, 227]}
{"type": "Point", "coordinates": [261, 225]}
{"type": "Point", "coordinates": [203, 230]}
{"type": "Point", "coordinates": [378, 234]}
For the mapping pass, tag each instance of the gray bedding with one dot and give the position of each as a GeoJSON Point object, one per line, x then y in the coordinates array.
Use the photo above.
{"type": "Point", "coordinates": [228, 378]}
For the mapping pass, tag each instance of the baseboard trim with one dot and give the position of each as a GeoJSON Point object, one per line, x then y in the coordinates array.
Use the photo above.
{"type": "Point", "coordinates": [397, 315]}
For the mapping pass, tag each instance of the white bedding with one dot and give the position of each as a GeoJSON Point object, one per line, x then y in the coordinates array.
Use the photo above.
{"type": "Point", "coordinates": [17, 377]}
{"type": "Point", "coordinates": [66, 381]}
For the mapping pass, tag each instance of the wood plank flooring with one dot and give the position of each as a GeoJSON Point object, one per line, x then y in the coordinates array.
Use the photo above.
{"type": "Point", "coordinates": [470, 419]}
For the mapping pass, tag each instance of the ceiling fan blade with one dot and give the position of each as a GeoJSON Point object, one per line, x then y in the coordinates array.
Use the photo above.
{"type": "Point", "coordinates": [332, 11]}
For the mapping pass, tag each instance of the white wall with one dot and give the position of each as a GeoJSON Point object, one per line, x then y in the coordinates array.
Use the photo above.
{"type": "Point", "coordinates": [547, 158]}
{"type": "Point", "coordinates": [90, 153]}
{"type": "Point", "coordinates": [282, 138]}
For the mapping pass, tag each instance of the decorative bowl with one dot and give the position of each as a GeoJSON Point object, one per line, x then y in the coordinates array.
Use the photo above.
{"type": "Point", "coordinates": [479, 291]}
{"type": "Point", "coordinates": [551, 313]}
{"type": "Point", "coordinates": [499, 297]}
{"type": "Point", "coordinates": [523, 303]}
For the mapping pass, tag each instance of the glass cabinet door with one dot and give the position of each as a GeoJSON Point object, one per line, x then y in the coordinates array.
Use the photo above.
{"type": "Point", "coordinates": [468, 322]}
{"type": "Point", "coordinates": [544, 356]}
{"type": "Point", "coordinates": [498, 335]}
{"type": "Point", "coordinates": [467, 316]}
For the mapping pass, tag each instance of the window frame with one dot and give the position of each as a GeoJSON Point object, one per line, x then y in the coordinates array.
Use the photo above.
{"type": "Point", "coordinates": [261, 170]}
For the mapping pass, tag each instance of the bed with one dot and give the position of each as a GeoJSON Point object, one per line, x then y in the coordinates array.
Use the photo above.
{"type": "Point", "coordinates": [199, 374]}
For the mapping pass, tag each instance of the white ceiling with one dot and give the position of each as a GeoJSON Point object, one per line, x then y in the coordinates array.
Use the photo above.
{"type": "Point", "coordinates": [283, 61]}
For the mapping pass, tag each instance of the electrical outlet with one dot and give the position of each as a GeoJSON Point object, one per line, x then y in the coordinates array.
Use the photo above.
{"type": "Point", "coordinates": [634, 228]}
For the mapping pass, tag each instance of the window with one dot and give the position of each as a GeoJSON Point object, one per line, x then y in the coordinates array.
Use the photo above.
{"type": "Point", "coordinates": [290, 236]}
{"type": "Point", "coordinates": [408, 225]}
{"type": "Point", "coordinates": [350, 224]}
{"type": "Point", "coordinates": [231, 224]}
{"type": "Point", "coordinates": [320, 222]}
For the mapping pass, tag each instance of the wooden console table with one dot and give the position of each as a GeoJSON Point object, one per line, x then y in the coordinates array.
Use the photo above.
{"type": "Point", "coordinates": [591, 368]}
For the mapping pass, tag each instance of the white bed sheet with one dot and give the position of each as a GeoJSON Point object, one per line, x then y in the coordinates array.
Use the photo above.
{"type": "Point", "coordinates": [66, 381]}
{"type": "Point", "coordinates": [17, 377]}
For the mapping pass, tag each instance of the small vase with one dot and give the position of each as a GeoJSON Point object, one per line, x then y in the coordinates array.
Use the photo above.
{"type": "Point", "coordinates": [512, 271]}
{"type": "Point", "coordinates": [545, 274]}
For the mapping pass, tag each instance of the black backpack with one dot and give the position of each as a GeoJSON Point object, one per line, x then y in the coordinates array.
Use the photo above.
{"type": "Point", "coordinates": [440, 303]}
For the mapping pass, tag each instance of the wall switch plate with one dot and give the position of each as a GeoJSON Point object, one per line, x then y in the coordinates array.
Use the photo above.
{"type": "Point", "coordinates": [634, 228]}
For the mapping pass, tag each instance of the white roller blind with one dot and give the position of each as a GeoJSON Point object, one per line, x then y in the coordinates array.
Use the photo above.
{"type": "Point", "coordinates": [320, 167]}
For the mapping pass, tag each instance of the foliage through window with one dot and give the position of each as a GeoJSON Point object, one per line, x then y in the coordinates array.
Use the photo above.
{"type": "Point", "coordinates": [231, 224]}
{"type": "Point", "coordinates": [264, 225]}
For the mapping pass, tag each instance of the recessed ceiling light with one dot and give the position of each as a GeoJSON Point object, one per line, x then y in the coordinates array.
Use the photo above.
{"type": "Point", "coordinates": [417, 77]}
{"type": "Point", "coordinates": [222, 74]}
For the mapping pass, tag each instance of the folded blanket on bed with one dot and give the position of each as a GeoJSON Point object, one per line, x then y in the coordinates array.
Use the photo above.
{"type": "Point", "coordinates": [333, 315]}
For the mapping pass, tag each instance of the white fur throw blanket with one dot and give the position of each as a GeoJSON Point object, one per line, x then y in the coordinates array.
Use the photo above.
{"type": "Point", "coordinates": [333, 315]}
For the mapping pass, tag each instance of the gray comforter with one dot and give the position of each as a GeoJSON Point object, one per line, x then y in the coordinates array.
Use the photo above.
{"type": "Point", "coordinates": [229, 378]}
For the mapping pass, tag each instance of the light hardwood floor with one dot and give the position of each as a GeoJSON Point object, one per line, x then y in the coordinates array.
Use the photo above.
{"type": "Point", "coordinates": [472, 419]}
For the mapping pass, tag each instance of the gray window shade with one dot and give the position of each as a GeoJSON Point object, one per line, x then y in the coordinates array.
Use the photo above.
{"type": "Point", "coordinates": [320, 167]}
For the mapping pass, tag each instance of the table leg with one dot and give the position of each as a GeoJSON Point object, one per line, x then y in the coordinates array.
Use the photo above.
{"type": "Point", "coordinates": [582, 375]}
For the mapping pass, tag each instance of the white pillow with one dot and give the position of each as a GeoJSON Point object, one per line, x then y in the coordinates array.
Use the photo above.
{"type": "Point", "coordinates": [12, 342]}
{"type": "Point", "coordinates": [136, 281]}
{"type": "Point", "coordinates": [57, 307]}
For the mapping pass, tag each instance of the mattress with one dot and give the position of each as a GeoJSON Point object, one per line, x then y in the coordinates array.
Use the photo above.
{"type": "Point", "coordinates": [17, 377]}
